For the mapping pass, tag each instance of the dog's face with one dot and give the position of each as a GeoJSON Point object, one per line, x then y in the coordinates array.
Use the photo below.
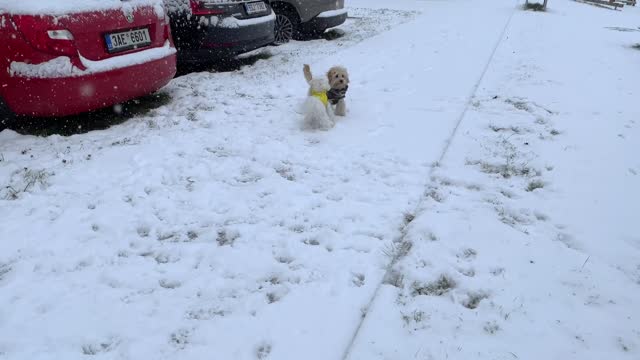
{"type": "Point", "coordinates": [338, 77]}
{"type": "Point", "coordinates": [319, 85]}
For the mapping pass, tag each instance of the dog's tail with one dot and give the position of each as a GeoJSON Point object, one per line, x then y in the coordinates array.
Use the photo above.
{"type": "Point", "coordinates": [307, 72]}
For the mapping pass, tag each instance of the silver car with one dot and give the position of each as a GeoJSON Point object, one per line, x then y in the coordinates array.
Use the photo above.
{"type": "Point", "coordinates": [298, 19]}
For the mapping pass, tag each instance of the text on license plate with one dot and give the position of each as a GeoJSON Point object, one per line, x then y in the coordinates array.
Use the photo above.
{"type": "Point", "coordinates": [127, 40]}
{"type": "Point", "coordinates": [255, 7]}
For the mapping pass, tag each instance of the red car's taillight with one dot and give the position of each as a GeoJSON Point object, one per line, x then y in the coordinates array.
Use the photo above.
{"type": "Point", "coordinates": [45, 36]}
{"type": "Point", "coordinates": [204, 7]}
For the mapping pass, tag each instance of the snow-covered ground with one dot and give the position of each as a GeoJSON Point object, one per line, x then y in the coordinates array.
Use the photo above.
{"type": "Point", "coordinates": [480, 200]}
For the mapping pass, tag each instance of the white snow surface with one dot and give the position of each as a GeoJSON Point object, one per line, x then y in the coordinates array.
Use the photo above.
{"type": "Point", "coordinates": [478, 201]}
{"type": "Point", "coordinates": [63, 7]}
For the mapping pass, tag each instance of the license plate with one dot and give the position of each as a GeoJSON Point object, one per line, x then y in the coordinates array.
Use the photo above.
{"type": "Point", "coordinates": [127, 40]}
{"type": "Point", "coordinates": [255, 7]}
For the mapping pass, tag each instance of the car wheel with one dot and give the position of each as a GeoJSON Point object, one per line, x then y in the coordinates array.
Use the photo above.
{"type": "Point", "coordinates": [286, 25]}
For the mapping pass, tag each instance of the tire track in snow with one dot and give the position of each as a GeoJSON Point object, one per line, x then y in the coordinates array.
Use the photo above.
{"type": "Point", "coordinates": [404, 246]}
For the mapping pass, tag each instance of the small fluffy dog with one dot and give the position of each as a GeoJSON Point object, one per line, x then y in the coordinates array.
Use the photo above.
{"type": "Point", "coordinates": [339, 81]}
{"type": "Point", "coordinates": [317, 112]}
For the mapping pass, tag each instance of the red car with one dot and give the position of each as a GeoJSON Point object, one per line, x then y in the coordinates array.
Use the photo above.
{"type": "Point", "coordinates": [62, 57]}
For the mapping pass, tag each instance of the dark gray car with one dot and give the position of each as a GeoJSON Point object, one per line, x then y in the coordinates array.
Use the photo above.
{"type": "Point", "coordinates": [297, 19]}
{"type": "Point", "coordinates": [206, 30]}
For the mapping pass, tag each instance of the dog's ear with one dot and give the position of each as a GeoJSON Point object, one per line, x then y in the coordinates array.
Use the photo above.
{"type": "Point", "coordinates": [330, 75]}
{"type": "Point", "coordinates": [307, 72]}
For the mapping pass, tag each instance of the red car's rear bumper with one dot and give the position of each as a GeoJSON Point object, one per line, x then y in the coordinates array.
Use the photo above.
{"type": "Point", "coordinates": [47, 97]}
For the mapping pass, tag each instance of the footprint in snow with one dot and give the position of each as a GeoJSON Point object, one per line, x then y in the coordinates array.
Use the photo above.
{"type": "Point", "coordinates": [358, 279]}
{"type": "Point", "coordinates": [467, 254]}
{"type": "Point", "coordinates": [263, 351]}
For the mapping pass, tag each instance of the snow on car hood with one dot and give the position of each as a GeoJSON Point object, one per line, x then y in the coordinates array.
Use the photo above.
{"type": "Point", "coordinates": [62, 7]}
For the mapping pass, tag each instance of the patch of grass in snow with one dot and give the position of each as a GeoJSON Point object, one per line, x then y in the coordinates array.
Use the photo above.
{"type": "Point", "coordinates": [205, 314]}
{"type": "Point", "coordinates": [164, 236]}
{"type": "Point", "coordinates": [312, 242]}
{"type": "Point", "coordinates": [394, 278]}
{"type": "Point", "coordinates": [491, 327]}
{"type": "Point", "coordinates": [414, 318]}
{"type": "Point", "coordinates": [513, 129]}
{"type": "Point", "coordinates": [273, 280]}
{"type": "Point", "coordinates": [467, 254]}
{"type": "Point", "coordinates": [101, 347]}
{"type": "Point", "coordinates": [636, 46]}
{"type": "Point", "coordinates": [4, 270]}
{"type": "Point", "coordinates": [438, 287]}
{"type": "Point", "coordinates": [519, 104]}
{"type": "Point", "coordinates": [247, 176]}
{"type": "Point", "coordinates": [161, 258]}
{"type": "Point", "coordinates": [506, 170]}
{"type": "Point", "coordinates": [297, 228]}
{"type": "Point", "coordinates": [192, 116]}
{"type": "Point", "coordinates": [534, 185]}
{"type": "Point", "coordinates": [23, 181]}
{"type": "Point", "coordinates": [623, 345]}
{"type": "Point", "coordinates": [408, 218]}
{"type": "Point", "coordinates": [272, 297]}
{"type": "Point", "coordinates": [433, 193]}
{"type": "Point", "coordinates": [180, 338]}
{"type": "Point", "coordinates": [226, 237]}
{"type": "Point", "coordinates": [286, 172]}
{"type": "Point", "coordinates": [474, 299]}
{"type": "Point", "coordinates": [511, 218]}
{"type": "Point", "coordinates": [192, 235]}
{"type": "Point", "coordinates": [506, 193]}
{"type": "Point", "coordinates": [397, 249]}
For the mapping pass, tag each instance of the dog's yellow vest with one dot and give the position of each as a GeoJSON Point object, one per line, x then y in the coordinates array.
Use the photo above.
{"type": "Point", "coordinates": [322, 96]}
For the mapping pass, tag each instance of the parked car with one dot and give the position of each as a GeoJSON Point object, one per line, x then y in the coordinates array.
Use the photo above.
{"type": "Point", "coordinates": [62, 58]}
{"type": "Point", "coordinates": [206, 30]}
{"type": "Point", "coordinates": [297, 19]}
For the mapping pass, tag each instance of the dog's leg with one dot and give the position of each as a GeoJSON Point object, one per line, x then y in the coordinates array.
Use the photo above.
{"type": "Point", "coordinates": [330, 116]}
{"type": "Point", "coordinates": [307, 72]}
{"type": "Point", "coordinates": [341, 108]}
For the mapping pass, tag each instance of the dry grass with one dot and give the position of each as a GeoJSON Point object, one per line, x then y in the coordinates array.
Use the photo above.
{"type": "Point", "coordinates": [436, 288]}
